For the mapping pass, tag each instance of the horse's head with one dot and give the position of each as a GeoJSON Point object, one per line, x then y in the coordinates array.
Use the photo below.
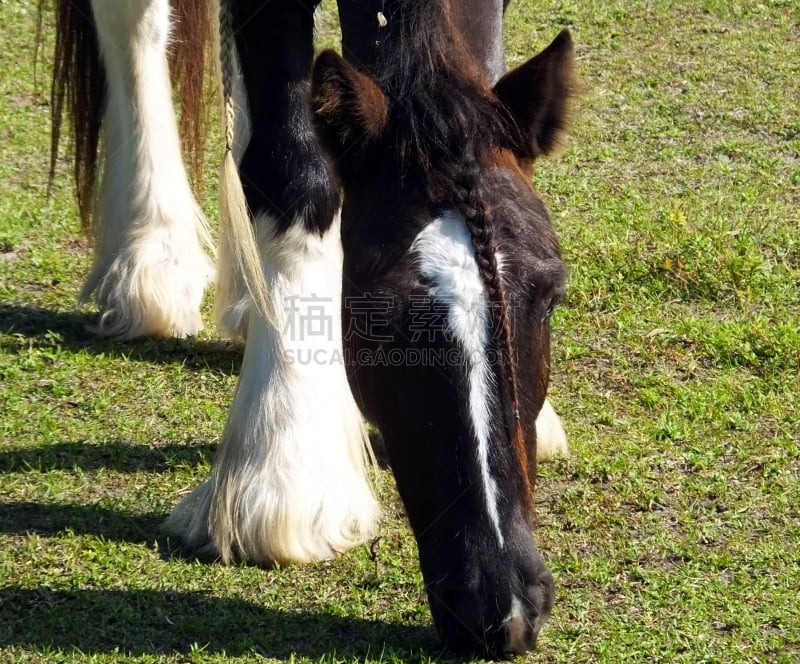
{"type": "Point", "coordinates": [442, 228]}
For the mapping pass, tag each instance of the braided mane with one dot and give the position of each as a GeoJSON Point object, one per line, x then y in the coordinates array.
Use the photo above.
{"type": "Point", "coordinates": [482, 233]}
{"type": "Point", "coordinates": [447, 123]}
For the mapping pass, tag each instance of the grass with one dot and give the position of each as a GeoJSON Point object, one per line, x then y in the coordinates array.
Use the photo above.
{"type": "Point", "coordinates": [673, 530]}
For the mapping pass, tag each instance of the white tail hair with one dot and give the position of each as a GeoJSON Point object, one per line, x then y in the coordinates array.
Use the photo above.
{"type": "Point", "coordinates": [240, 281]}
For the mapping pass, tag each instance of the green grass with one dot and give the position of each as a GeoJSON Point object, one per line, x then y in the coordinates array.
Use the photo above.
{"type": "Point", "coordinates": [674, 528]}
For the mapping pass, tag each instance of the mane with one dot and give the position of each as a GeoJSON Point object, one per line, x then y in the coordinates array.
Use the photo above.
{"type": "Point", "coordinates": [445, 116]}
{"type": "Point", "coordinates": [447, 123]}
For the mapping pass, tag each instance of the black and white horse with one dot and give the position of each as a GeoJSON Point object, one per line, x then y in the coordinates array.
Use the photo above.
{"type": "Point", "coordinates": [379, 232]}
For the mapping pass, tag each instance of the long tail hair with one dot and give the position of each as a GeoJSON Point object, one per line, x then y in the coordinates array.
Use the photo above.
{"type": "Point", "coordinates": [79, 88]}
{"type": "Point", "coordinates": [239, 260]}
{"type": "Point", "coordinates": [189, 62]}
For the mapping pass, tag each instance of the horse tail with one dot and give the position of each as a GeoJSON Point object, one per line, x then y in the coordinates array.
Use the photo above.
{"type": "Point", "coordinates": [78, 89]}
{"type": "Point", "coordinates": [240, 266]}
{"type": "Point", "coordinates": [189, 57]}
{"type": "Point", "coordinates": [482, 234]}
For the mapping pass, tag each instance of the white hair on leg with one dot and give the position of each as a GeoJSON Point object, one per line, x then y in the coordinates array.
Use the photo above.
{"type": "Point", "coordinates": [551, 439]}
{"type": "Point", "coordinates": [150, 270]}
{"type": "Point", "coordinates": [290, 480]}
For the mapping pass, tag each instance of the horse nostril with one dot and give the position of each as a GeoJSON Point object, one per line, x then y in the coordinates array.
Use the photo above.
{"type": "Point", "coordinates": [464, 626]}
{"type": "Point", "coordinates": [468, 621]}
{"type": "Point", "coordinates": [521, 634]}
{"type": "Point", "coordinates": [527, 616]}
{"type": "Point", "coordinates": [541, 595]}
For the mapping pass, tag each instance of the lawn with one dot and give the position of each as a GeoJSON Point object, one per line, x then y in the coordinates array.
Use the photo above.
{"type": "Point", "coordinates": [673, 529]}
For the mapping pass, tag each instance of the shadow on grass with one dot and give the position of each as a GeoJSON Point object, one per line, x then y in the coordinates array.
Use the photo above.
{"type": "Point", "coordinates": [31, 322]}
{"type": "Point", "coordinates": [124, 457]}
{"type": "Point", "coordinates": [23, 517]}
{"type": "Point", "coordinates": [119, 456]}
{"type": "Point", "coordinates": [145, 622]}
{"type": "Point", "coordinates": [45, 328]}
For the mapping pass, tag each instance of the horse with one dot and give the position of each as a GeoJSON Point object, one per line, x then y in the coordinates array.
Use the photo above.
{"type": "Point", "coordinates": [377, 214]}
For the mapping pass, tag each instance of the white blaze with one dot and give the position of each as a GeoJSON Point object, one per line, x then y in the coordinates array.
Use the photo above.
{"type": "Point", "coordinates": [447, 259]}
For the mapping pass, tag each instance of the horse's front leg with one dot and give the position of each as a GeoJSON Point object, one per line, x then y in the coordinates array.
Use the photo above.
{"type": "Point", "coordinates": [150, 270]}
{"type": "Point", "coordinates": [289, 482]}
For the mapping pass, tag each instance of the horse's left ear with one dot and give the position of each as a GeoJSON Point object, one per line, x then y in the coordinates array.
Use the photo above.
{"type": "Point", "coordinates": [537, 94]}
{"type": "Point", "coordinates": [350, 110]}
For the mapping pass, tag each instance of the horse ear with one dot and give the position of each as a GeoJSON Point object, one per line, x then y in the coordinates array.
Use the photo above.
{"type": "Point", "coordinates": [537, 94]}
{"type": "Point", "coordinates": [350, 110]}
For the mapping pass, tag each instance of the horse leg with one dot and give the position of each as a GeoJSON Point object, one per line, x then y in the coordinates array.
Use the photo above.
{"type": "Point", "coordinates": [149, 269]}
{"type": "Point", "coordinates": [290, 479]}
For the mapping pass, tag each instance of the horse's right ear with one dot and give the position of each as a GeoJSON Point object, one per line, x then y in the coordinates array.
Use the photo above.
{"type": "Point", "coordinates": [350, 110]}
{"type": "Point", "coordinates": [537, 94]}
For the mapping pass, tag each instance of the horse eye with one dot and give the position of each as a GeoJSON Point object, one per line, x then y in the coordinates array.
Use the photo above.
{"type": "Point", "coordinates": [554, 302]}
